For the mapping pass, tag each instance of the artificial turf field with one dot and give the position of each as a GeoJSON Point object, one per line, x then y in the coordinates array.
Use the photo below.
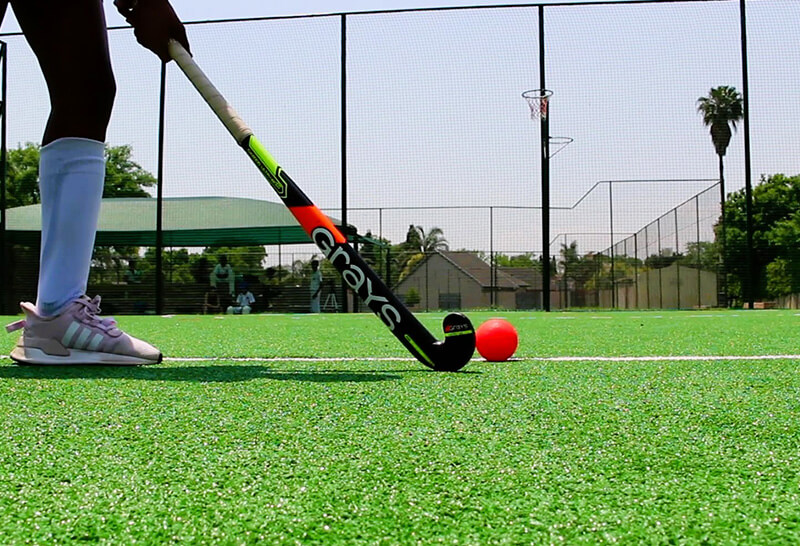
{"type": "Point", "coordinates": [628, 427]}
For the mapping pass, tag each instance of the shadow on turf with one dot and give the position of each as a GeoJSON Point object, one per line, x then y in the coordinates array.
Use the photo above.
{"type": "Point", "coordinates": [199, 374]}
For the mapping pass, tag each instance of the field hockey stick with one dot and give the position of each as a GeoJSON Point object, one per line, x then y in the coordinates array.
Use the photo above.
{"type": "Point", "coordinates": [459, 336]}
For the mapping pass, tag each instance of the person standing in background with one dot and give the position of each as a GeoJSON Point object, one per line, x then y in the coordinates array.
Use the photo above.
{"type": "Point", "coordinates": [315, 286]}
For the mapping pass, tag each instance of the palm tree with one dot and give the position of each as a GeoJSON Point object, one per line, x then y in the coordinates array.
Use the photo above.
{"type": "Point", "coordinates": [722, 109]}
{"type": "Point", "coordinates": [420, 244]}
{"type": "Point", "coordinates": [426, 243]}
{"type": "Point", "coordinates": [434, 240]}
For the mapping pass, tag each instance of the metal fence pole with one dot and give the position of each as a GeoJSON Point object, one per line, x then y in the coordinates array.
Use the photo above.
{"type": "Point", "coordinates": [160, 195]}
{"type": "Point", "coordinates": [4, 276]}
{"type": "Point", "coordinates": [752, 275]}
{"type": "Point", "coordinates": [545, 137]}
{"type": "Point", "coordinates": [677, 264]}
{"type": "Point", "coordinates": [343, 94]}
{"type": "Point", "coordinates": [660, 279]}
{"type": "Point", "coordinates": [699, 263]}
{"type": "Point", "coordinates": [636, 270]}
{"type": "Point", "coordinates": [492, 260]}
{"type": "Point", "coordinates": [644, 261]}
{"type": "Point", "coordinates": [611, 247]}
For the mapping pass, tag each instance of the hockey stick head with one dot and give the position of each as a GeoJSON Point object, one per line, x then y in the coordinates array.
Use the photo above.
{"type": "Point", "coordinates": [458, 346]}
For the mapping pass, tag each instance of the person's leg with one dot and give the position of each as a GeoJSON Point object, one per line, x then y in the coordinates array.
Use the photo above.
{"type": "Point", "coordinates": [70, 42]}
{"type": "Point", "coordinates": [69, 39]}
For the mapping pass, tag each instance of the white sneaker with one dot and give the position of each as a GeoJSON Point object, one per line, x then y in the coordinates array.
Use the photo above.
{"type": "Point", "coordinates": [78, 336]}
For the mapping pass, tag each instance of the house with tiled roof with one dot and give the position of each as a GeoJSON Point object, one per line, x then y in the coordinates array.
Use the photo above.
{"type": "Point", "coordinates": [462, 280]}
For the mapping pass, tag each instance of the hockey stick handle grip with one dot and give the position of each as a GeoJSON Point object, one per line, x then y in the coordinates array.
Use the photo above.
{"type": "Point", "coordinates": [224, 111]}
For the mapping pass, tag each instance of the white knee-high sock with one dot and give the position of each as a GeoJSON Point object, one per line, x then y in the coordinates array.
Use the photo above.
{"type": "Point", "coordinates": [71, 179]}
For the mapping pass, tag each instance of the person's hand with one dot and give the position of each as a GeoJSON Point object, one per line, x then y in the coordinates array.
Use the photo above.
{"type": "Point", "coordinates": [154, 24]}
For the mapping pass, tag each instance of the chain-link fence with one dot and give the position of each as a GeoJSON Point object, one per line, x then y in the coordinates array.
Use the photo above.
{"type": "Point", "coordinates": [410, 126]}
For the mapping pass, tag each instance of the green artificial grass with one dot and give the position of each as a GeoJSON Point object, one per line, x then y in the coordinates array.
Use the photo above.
{"type": "Point", "coordinates": [286, 429]}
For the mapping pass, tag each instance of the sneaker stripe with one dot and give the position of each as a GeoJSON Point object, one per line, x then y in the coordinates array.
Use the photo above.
{"type": "Point", "coordinates": [80, 343]}
{"type": "Point", "coordinates": [95, 343]}
{"type": "Point", "coordinates": [66, 341]}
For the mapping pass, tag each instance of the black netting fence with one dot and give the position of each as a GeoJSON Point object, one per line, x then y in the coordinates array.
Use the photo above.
{"type": "Point", "coordinates": [410, 127]}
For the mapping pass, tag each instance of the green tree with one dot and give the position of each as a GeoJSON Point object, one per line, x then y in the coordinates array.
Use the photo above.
{"type": "Point", "coordinates": [413, 237]}
{"type": "Point", "coordinates": [663, 259]}
{"type": "Point", "coordinates": [412, 297]}
{"type": "Point", "coordinates": [22, 176]}
{"type": "Point", "coordinates": [520, 260]}
{"type": "Point", "coordinates": [783, 273]}
{"type": "Point", "coordinates": [776, 221]}
{"type": "Point", "coordinates": [124, 177]}
{"type": "Point", "coordinates": [780, 279]}
{"type": "Point", "coordinates": [109, 263]}
{"type": "Point", "coordinates": [372, 249]}
{"type": "Point", "coordinates": [176, 266]}
{"type": "Point", "coordinates": [417, 239]}
{"type": "Point", "coordinates": [413, 261]}
{"type": "Point", "coordinates": [417, 245]}
{"type": "Point", "coordinates": [245, 260]}
{"type": "Point", "coordinates": [702, 255]}
{"type": "Point", "coordinates": [575, 267]}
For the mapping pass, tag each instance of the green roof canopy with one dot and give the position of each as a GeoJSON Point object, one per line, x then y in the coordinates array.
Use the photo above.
{"type": "Point", "coordinates": [187, 221]}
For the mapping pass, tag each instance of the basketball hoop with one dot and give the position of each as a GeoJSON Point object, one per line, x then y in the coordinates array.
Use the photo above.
{"type": "Point", "coordinates": [538, 100]}
{"type": "Point", "coordinates": [557, 144]}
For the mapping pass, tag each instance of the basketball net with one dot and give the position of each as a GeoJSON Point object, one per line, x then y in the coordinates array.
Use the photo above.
{"type": "Point", "coordinates": [538, 100]}
{"type": "Point", "coordinates": [557, 144]}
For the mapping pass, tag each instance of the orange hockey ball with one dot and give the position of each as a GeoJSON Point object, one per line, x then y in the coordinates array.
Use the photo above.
{"type": "Point", "coordinates": [496, 340]}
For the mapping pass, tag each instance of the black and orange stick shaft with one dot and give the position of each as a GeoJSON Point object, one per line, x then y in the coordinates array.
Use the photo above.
{"type": "Point", "coordinates": [459, 344]}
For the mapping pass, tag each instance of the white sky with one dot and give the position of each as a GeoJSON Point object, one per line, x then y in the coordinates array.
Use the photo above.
{"type": "Point", "coordinates": [435, 116]}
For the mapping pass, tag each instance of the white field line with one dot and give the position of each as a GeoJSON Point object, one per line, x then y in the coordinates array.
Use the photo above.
{"type": "Point", "coordinates": [682, 358]}
{"type": "Point", "coordinates": [687, 358]}
{"type": "Point", "coordinates": [652, 358]}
